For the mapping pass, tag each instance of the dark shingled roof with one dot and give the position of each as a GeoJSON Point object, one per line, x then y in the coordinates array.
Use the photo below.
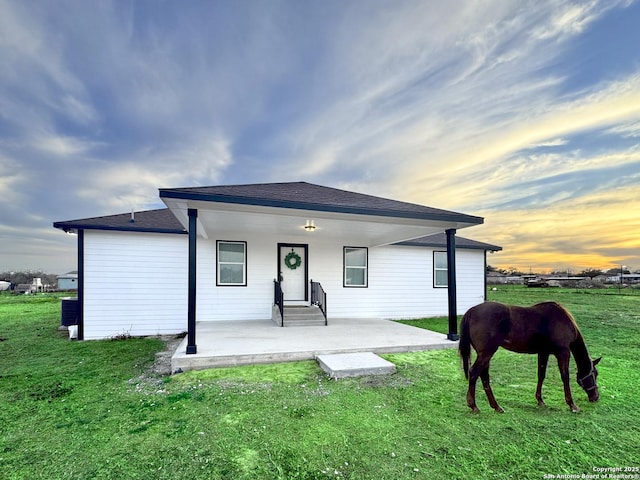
{"type": "Point", "coordinates": [163, 221]}
{"type": "Point", "coordinates": [155, 221]}
{"type": "Point", "coordinates": [440, 240]}
{"type": "Point", "coordinates": [308, 196]}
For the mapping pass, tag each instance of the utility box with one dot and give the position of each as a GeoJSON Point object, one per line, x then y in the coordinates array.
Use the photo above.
{"type": "Point", "coordinates": [69, 311]}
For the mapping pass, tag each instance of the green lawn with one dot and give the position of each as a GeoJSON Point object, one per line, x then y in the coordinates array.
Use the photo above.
{"type": "Point", "coordinates": [81, 410]}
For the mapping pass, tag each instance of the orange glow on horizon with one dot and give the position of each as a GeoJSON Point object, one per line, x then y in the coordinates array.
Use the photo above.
{"type": "Point", "coordinates": [601, 231]}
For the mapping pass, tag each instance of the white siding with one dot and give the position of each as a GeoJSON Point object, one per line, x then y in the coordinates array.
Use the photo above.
{"type": "Point", "coordinates": [135, 283]}
{"type": "Point", "coordinates": [400, 283]}
{"type": "Point", "coordinates": [470, 278]}
{"type": "Point", "coordinates": [250, 302]}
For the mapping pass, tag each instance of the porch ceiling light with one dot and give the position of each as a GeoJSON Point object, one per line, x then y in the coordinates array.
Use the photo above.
{"type": "Point", "coordinates": [310, 226]}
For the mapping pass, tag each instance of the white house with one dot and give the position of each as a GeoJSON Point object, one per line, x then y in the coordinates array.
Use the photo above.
{"type": "Point", "coordinates": [227, 252]}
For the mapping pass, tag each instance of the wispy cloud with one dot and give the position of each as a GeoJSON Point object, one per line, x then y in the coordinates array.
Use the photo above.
{"type": "Point", "coordinates": [571, 19]}
{"type": "Point", "coordinates": [133, 182]}
{"type": "Point", "coordinates": [476, 100]}
{"type": "Point", "coordinates": [626, 130]}
{"type": "Point", "coordinates": [62, 145]}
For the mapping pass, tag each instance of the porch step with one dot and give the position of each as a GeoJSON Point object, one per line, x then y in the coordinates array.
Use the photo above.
{"type": "Point", "coordinates": [357, 364]}
{"type": "Point", "coordinates": [303, 316]}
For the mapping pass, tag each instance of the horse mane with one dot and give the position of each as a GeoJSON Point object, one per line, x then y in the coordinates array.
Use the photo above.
{"type": "Point", "coordinates": [578, 347]}
{"type": "Point", "coordinates": [566, 312]}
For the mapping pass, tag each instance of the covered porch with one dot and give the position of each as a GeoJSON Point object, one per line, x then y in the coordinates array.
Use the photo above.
{"type": "Point", "coordinates": [298, 215]}
{"type": "Point", "coordinates": [224, 344]}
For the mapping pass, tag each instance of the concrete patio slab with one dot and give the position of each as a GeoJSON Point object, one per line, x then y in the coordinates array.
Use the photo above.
{"type": "Point", "coordinates": [359, 364]}
{"type": "Point", "coordinates": [222, 344]}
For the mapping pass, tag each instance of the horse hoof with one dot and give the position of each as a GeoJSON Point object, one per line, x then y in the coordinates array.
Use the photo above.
{"type": "Point", "coordinates": [575, 409]}
{"type": "Point", "coordinates": [475, 410]}
{"type": "Point", "coordinates": [499, 410]}
{"type": "Point", "coordinates": [541, 403]}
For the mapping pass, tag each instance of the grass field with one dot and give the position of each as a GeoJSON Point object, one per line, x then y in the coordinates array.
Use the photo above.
{"type": "Point", "coordinates": [83, 410]}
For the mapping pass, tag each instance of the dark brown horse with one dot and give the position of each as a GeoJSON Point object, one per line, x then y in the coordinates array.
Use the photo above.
{"type": "Point", "coordinates": [546, 329]}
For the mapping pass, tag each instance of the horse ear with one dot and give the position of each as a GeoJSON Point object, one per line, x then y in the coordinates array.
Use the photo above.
{"type": "Point", "coordinates": [597, 360]}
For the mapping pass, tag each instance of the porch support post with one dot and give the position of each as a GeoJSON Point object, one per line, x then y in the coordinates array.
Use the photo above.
{"type": "Point", "coordinates": [80, 300]}
{"type": "Point", "coordinates": [191, 312]}
{"type": "Point", "coordinates": [451, 282]}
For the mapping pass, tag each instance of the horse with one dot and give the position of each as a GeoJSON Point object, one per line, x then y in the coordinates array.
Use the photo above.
{"type": "Point", "coordinates": [544, 329]}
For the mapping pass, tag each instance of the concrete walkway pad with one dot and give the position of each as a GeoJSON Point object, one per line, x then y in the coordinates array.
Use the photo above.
{"type": "Point", "coordinates": [342, 365]}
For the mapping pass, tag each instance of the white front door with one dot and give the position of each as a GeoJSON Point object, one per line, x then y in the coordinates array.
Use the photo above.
{"type": "Point", "coordinates": [292, 266]}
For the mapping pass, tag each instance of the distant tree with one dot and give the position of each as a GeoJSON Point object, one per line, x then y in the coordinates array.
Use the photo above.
{"type": "Point", "coordinates": [590, 272]}
{"type": "Point", "coordinates": [616, 271]}
{"type": "Point", "coordinates": [491, 269]}
{"type": "Point", "coordinates": [18, 278]}
{"type": "Point", "coordinates": [562, 273]}
{"type": "Point", "coordinates": [511, 271]}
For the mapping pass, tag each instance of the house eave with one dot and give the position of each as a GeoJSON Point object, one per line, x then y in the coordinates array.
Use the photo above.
{"type": "Point", "coordinates": [488, 248]}
{"type": "Point", "coordinates": [74, 227]}
{"type": "Point", "coordinates": [462, 219]}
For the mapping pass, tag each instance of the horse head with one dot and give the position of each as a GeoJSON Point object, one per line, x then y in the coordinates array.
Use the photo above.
{"type": "Point", "coordinates": [588, 381]}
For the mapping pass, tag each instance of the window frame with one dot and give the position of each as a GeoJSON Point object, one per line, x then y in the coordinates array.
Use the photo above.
{"type": "Point", "coordinates": [219, 283]}
{"type": "Point", "coordinates": [440, 269]}
{"type": "Point", "coordinates": [345, 267]}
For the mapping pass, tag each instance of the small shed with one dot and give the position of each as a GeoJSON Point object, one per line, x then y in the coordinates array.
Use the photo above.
{"type": "Point", "coordinates": [68, 281]}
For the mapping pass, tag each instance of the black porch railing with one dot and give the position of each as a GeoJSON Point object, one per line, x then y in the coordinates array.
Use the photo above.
{"type": "Point", "coordinates": [319, 298]}
{"type": "Point", "coordinates": [278, 299]}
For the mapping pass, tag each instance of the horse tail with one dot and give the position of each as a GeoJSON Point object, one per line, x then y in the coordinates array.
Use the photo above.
{"type": "Point", "coordinates": [464, 347]}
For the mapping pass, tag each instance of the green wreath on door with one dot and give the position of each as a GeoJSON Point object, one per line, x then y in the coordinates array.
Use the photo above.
{"type": "Point", "coordinates": [292, 260]}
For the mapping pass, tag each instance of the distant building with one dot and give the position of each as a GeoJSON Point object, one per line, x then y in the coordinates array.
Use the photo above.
{"type": "Point", "coordinates": [626, 278]}
{"type": "Point", "coordinates": [35, 286]}
{"type": "Point", "coordinates": [496, 278]}
{"type": "Point", "coordinates": [68, 281]}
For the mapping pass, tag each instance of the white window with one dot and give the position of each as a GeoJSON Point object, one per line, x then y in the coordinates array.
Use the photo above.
{"type": "Point", "coordinates": [232, 263]}
{"type": "Point", "coordinates": [440, 275]}
{"type": "Point", "coordinates": [355, 266]}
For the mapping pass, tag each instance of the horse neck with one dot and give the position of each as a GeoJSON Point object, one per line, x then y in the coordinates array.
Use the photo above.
{"type": "Point", "coordinates": [581, 355]}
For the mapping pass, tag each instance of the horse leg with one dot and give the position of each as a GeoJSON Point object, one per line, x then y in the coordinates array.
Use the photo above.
{"type": "Point", "coordinates": [477, 369]}
{"type": "Point", "coordinates": [471, 392]}
{"type": "Point", "coordinates": [543, 358]}
{"type": "Point", "coordinates": [487, 389]}
{"type": "Point", "coordinates": [563, 364]}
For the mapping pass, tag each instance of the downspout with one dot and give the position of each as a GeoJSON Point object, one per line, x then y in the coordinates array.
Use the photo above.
{"type": "Point", "coordinates": [451, 284]}
{"type": "Point", "coordinates": [80, 300]}
{"type": "Point", "coordinates": [191, 309]}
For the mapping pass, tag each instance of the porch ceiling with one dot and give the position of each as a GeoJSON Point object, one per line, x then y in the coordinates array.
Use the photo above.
{"type": "Point", "coordinates": [349, 228]}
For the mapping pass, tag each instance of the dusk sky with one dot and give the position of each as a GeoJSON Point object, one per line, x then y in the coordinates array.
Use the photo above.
{"type": "Point", "coordinates": [526, 113]}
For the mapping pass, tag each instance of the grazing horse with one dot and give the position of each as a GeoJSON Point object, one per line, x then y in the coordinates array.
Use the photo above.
{"type": "Point", "coordinates": [546, 329]}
